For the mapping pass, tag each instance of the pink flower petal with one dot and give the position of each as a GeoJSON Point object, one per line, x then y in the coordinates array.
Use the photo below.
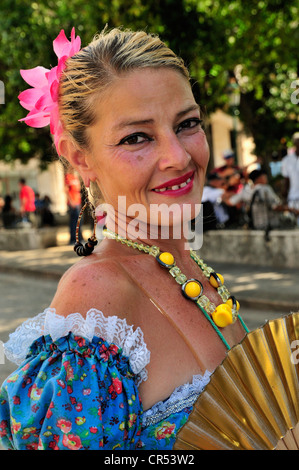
{"type": "Point", "coordinates": [35, 77]}
{"type": "Point", "coordinates": [57, 135]}
{"type": "Point", "coordinates": [76, 41]}
{"type": "Point", "coordinates": [59, 43]}
{"type": "Point", "coordinates": [56, 126]}
{"type": "Point", "coordinates": [28, 98]}
{"type": "Point", "coordinates": [36, 119]}
{"type": "Point", "coordinates": [62, 46]}
{"type": "Point", "coordinates": [42, 100]}
{"type": "Point", "coordinates": [54, 91]}
{"type": "Point", "coordinates": [55, 119]}
{"type": "Point", "coordinates": [61, 65]}
{"type": "Point", "coordinates": [76, 46]}
{"type": "Point", "coordinates": [45, 102]}
{"type": "Point", "coordinates": [52, 76]}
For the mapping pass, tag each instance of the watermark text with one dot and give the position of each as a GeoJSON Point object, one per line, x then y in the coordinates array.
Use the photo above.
{"type": "Point", "coordinates": [295, 353]}
{"type": "Point", "coordinates": [156, 221]}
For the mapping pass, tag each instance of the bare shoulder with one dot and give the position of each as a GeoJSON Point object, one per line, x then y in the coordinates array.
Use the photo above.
{"type": "Point", "coordinates": [95, 282]}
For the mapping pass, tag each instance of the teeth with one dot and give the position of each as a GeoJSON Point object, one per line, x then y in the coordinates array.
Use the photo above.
{"type": "Point", "coordinates": [174, 188]}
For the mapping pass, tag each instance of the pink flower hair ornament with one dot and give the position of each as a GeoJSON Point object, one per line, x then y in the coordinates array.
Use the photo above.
{"type": "Point", "coordinates": [42, 100]}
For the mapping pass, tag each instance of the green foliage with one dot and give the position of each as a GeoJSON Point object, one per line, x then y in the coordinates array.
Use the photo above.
{"type": "Point", "coordinates": [255, 42]}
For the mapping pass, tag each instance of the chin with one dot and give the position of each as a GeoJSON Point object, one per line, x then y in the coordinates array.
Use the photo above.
{"type": "Point", "coordinates": [174, 217]}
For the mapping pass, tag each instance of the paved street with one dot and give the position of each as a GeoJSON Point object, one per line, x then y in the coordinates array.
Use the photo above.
{"type": "Point", "coordinates": [21, 297]}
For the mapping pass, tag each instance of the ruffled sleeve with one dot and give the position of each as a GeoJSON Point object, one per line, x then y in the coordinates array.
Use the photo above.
{"type": "Point", "coordinates": [75, 389]}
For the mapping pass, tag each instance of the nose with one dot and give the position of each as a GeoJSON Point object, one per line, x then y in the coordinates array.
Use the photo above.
{"type": "Point", "coordinates": [171, 153]}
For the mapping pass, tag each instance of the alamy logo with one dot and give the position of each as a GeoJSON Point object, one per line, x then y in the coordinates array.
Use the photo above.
{"type": "Point", "coordinates": [295, 353]}
{"type": "Point", "coordinates": [2, 93]}
{"type": "Point", "coordinates": [295, 94]}
{"type": "Point", "coordinates": [157, 220]}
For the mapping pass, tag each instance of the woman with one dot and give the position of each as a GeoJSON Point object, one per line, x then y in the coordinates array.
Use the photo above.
{"type": "Point", "coordinates": [121, 355]}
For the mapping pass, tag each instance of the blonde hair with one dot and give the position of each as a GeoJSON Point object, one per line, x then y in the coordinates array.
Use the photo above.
{"type": "Point", "coordinates": [93, 69]}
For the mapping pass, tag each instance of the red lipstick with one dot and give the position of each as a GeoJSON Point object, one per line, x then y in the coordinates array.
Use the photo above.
{"type": "Point", "coordinates": [176, 186]}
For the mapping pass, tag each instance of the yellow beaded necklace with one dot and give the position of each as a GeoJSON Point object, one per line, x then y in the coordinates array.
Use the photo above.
{"type": "Point", "coordinates": [192, 289]}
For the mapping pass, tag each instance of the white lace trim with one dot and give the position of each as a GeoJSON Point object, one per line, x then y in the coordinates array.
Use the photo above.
{"type": "Point", "coordinates": [183, 396]}
{"type": "Point", "coordinates": [111, 329]}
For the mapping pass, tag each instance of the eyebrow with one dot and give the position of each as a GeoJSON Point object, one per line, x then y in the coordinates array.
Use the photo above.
{"type": "Point", "coordinates": [138, 122]}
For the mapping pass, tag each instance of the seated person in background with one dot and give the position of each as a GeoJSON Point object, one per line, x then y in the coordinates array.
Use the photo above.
{"type": "Point", "coordinates": [233, 175]}
{"type": "Point", "coordinates": [215, 213]}
{"type": "Point", "coordinates": [275, 177]}
{"type": "Point", "coordinates": [229, 159]}
{"type": "Point", "coordinates": [232, 172]}
{"type": "Point", "coordinates": [241, 199]}
{"type": "Point", "coordinates": [261, 203]}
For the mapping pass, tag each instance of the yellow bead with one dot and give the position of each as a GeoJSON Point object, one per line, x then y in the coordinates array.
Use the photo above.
{"type": "Point", "coordinates": [192, 289]}
{"type": "Point", "coordinates": [166, 258]}
{"type": "Point", "coordinates": [214, 281]}
{"type": "Point", "coordinates": [231, 303]}
{"type": "Point", "coordinates": [222, 315]}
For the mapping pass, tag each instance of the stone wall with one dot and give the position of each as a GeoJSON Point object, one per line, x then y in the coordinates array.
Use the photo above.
{"type": "Point", "coordinates": [27, 238]}
{"type": "Point", "coordinates": [251, 246]}
{"type": "Point", "coordinates": [229, 246]}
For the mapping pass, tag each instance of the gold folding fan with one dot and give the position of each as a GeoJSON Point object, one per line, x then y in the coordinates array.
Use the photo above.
{"type": "Point", "coordinates": [252, 400]}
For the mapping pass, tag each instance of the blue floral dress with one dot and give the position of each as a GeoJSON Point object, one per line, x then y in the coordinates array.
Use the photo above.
{"type": "Point", "coordinates": [77, 388]}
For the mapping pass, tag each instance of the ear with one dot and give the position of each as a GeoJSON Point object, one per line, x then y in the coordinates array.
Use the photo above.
{"type": "Point", "coordinates": [79, 159]}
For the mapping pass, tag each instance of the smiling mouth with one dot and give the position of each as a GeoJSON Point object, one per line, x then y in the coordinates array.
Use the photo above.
{"type": "Point", "coordinates": [173, 188]}
{"type": "Point", "coordinates": [175, 185]}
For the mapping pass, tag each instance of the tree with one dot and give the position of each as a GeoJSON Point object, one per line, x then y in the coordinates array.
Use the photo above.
{"type": "Point", "coordinates": [254, 42]}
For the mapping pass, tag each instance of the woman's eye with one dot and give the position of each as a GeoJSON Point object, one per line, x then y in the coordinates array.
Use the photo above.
{"type": "Point", "coordinates": [190, 124]}
{"type": "Point", "coordinates": [134, 139]}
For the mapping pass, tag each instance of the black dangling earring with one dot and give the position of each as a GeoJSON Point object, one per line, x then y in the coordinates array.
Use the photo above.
{"type": "Point", "coordinates": [88, 248]}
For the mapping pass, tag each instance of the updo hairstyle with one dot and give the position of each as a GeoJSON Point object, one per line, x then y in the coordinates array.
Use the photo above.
{"type": "Point", "coordinates": [93, 69]}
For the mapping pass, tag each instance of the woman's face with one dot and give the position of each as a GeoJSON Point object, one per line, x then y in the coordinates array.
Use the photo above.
{"type": "Point", "coordinates": [148, 144]}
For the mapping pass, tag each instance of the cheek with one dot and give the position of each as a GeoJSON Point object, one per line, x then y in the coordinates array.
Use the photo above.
{"type": "Point", "coordinates": [126, 176]}
{"type": "Point", "coordinates": [133, 169]}
{"type": "Point", "coordinates": [200, 150]}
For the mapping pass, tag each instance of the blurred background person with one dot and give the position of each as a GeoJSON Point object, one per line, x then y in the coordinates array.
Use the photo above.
{"type": "Point", "coordinates": [229, 166]}
{"type": "Point", "coordinates": [74, 202]}
{"type": "Point", "coordinates": [39, 204]}
{"type": "Point", "coordinates": [215, 213]}
{"type": "Point", "coordinates": [290, 172]}
{"type": "Point", "coordinates": [276, 179]}
{"type": "Point", "coordinates": [275, 165]}
{"type": "Point", "coordinates": [266, 208]}
{"type": "Point", "coordinates": [47, 216]}
{"type": "Point", "coordinates": [27, 202]}
{"type": "Point", "coordinates": [9, 214]}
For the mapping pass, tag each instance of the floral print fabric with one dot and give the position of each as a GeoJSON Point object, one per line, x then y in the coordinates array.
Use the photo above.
{"type": "Point", "coordinates": [75, 394]}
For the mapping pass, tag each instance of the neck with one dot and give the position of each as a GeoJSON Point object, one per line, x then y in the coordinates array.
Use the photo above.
{"type": "Point", "coordinates": [167, 238]}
